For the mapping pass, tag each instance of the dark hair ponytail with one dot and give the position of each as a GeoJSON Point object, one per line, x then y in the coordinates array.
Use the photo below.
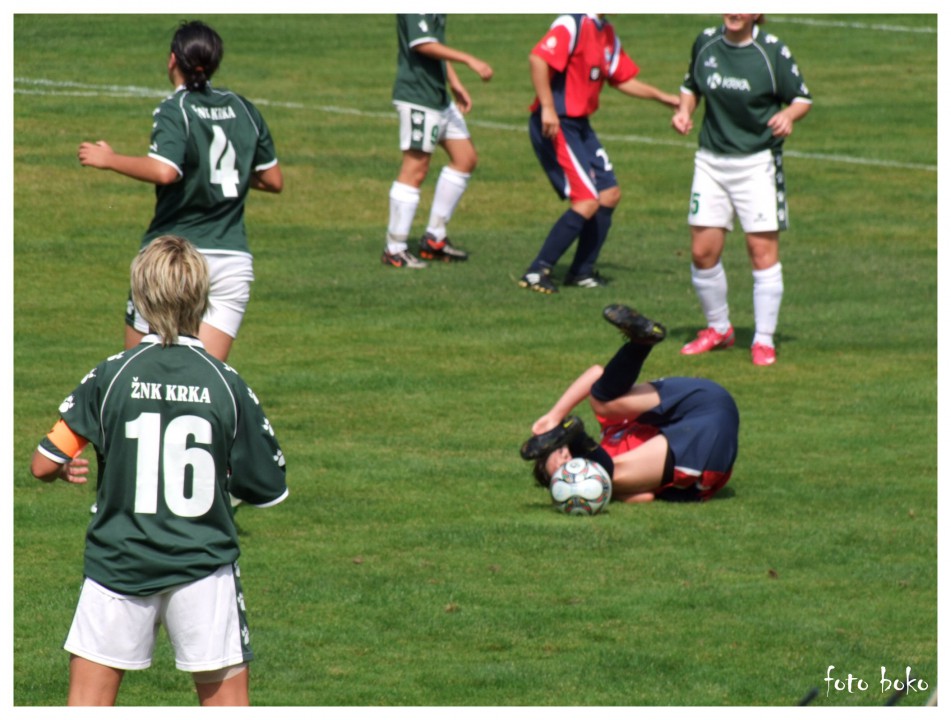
{"type": "Point", "coordinates": [198, 51]}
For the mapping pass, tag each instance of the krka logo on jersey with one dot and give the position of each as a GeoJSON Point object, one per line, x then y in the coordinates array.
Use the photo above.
{"type": "Point", "coordinates": [715, 81]}
{"type": "Point", "coordinates": [168, 392]}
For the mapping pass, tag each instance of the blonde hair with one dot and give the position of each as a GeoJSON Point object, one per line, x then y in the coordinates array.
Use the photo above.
{"type": "Point", "coordinates": [170, 287]}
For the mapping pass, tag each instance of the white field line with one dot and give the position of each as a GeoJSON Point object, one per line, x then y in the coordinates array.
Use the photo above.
{"type": "Point", "coordinates": [39, 86]}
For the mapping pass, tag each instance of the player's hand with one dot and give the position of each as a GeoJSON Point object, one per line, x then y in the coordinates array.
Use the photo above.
{"type": "Point", "coordinates": [545, 423]}
{"type": "Point", "coordinates": [781, 125]}
{"type": "Point", "coordinates": [682, 122]}
{"type": "Point", "coordinates": [76, 471]}
{"type": "Point", "coordinates": [482, 69]}
{"type": "Point", "coordinates": [550, 123]}
{"type": "Point", "coordinates": [463, 100]}
{"type": "Point", "coordinates": [95, 154]}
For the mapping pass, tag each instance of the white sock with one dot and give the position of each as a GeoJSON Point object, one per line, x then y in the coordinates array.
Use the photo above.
{"type": "Point", "coordinates": [449, 189]}
{"type": "Point", "coordinates": [711, 288]}
{"type": "Point", "coordinates": [404, 199]}
{"type": "Point", "coordinates": [767, 297]}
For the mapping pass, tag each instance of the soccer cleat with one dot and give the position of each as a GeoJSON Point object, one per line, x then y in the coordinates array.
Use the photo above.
{"type": "Point", "coordinates": [637, 328]}
{"type": "Point", "coordinates": [433, 249]}
{"type": "Point", "coordinates": [402, 259]}
{"type": "Point", "coordinates": [589, 280]}
{"type": "Point", "coordinates": [538, 446]}
{"type": "Point", "coordinates": [763, 354]}
{"type": "Point", "coordinates": [709, 339]}
{"type": "Point", "coordinates": [539, 281]}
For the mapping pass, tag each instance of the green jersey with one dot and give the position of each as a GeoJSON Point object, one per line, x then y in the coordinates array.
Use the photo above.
{"type": "Point", "coordinates": [176, 431]}
{"type": "Point", "coordinates": [744, 86]}
{"type": "Point", "coordinates": [420, 80]}
{"type": "Point", "coordinates": [215, 139]}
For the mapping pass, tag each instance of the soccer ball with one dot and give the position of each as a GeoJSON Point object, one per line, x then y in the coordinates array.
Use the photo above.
{"type": "Point", "coordinates": [580, 487]}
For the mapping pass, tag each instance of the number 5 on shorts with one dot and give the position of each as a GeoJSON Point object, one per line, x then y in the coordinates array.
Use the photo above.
{"type": "Point", "coordinates": [694, 203]}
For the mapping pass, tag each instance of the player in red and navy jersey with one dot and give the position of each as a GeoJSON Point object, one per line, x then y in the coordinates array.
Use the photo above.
{"type": "Point", "coordinates": [569, 66]}
{"type": "Point", "coordinates": [671, 439]}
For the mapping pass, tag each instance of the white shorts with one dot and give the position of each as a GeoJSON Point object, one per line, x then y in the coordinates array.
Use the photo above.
{"type": "Point", "coordinates": [231, 278]}
{"type": "Point", "coordinates": [750, 187]}
{"type": "Point", "coordinates": [423, 128]}
{"type": "Point", "coordinates": [204, 620]}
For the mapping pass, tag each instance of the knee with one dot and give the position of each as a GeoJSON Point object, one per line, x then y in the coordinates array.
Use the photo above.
{"type": "Point", "coordinates": [610, 197]}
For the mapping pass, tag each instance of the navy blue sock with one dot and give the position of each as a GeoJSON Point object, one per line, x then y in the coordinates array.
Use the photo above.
{"type": "Point", "coordinates": [621, 372]}
{"type": "Point", "coordinates": [559, 239]}
{"type": "Point", "coordinates": [590, 242]}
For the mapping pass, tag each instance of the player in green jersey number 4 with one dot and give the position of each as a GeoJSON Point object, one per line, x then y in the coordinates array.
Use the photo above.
{"type": "Point", "coordinates": [179, 438]}
{"type": "Point", "coordinates": [209, 147]}
{"type": "Point", "coordinates": [754, 93]}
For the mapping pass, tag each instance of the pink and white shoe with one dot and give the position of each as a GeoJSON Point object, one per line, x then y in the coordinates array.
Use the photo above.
{"type": "Point", "coordinates": [763, 354]}
{"type": "Point", "coordinates": [709, 339]}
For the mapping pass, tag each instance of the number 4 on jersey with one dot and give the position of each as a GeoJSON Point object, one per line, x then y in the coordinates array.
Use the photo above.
{"type": "Point", "coordinates": [222, 156]}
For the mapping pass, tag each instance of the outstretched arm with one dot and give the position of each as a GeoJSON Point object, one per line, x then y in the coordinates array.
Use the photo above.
{"type": "Point", "coordinates": [644, 91]}
{"type": "Point", "coordinates": [101, 155]}
{"type": "Point", "coordinates": [569, 400]}
{"type": "Point", "coordinates": [438, 51]}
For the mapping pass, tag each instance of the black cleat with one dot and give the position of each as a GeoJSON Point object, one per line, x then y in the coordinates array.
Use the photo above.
{"type": "Point", "coordinates": [541, 445]}
{"type": "Point", "coordinates": [637, 328]}
{"type": "Point", "coordinates": [432, 249]}
{"type": "Point", "coordinates": [590, 280]}
{"type": "Point", "coordinates": [539, 281]}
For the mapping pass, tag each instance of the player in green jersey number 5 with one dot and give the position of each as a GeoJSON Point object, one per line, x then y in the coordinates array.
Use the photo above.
{"type": "Point", "coordinates": [209, 147]}
{"type": "Point", "coordinates": [179, 439]}
{"type": "Point", "coordinates": [429, 117]}
{"type": "Point", "coordinates": [754, 94]}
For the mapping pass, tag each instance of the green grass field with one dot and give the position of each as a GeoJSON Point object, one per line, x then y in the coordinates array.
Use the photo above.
{"type": "Point", "coordinates": [414, 562]}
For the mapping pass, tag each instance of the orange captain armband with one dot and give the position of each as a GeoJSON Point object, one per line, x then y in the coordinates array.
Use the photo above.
{"type": "Point", "coordinates": [68, 442]}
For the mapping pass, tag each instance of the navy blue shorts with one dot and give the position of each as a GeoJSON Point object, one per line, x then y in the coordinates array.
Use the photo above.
{"type": "Point", "coordinates": [701, 422]}
{"type": "Point", "coordinates": [574, 161]}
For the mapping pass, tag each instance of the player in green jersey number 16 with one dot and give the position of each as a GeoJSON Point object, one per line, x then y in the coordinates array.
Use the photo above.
{"type": "Point", "coordinates": [178, 436]}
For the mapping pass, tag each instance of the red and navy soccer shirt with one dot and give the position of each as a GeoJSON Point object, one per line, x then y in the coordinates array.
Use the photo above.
{"type": "Point", "coordinates": [582, 52]}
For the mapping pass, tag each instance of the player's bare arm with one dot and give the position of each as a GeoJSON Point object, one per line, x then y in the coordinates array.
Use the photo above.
{"type": "Point", "coordinates": [459, 92]}
{"type": "Point", "coordinates": [645, 91]}
{"type": "Point", "coordinates": [574, 395]}
{"type": "Point", "coordinates": [100, 155]}
{"type": "Point", "coordinates": [270, 180]}
{"type": "Point", "coordinates": [541, 81]}
{"type": "Point", "coordinates": [439, 51]}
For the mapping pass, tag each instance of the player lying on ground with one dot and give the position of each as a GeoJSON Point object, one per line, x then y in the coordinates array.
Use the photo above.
{"type": "Point", "coordinates": [671, 439]}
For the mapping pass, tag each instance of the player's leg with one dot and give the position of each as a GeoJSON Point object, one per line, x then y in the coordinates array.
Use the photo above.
{"type": "Point", "coordinates": [217, 343]}
{"type": "Point", "coordinates": [760, 201]}
{"type": "Point", "coordinates": [419, 132]}
{"type": "Point", "coordinates": [566, 165]}
{"type": "Point", "coordinates": [641, 471]}
{"type": "Point", "coordinates": [710, 218]}
{"type": "Point", "coordinates": [110, 633]}
{"type": "Point", "coordinates": [767, 293]}
{"type": "Point", "coordinates": [228, 296]}
{"type": "Point", "coordinates": [450, 187]}
{"type": "Point", "coordinates": [92, 684]}
{"type": "Point", "coordinates": [207, 627]}
{"type": "Point", "coordinates": [404, 199]}
{"type": "Point", "coordinates": [228, 687]}
{"type": "Point", "coordinates": [594, 233]}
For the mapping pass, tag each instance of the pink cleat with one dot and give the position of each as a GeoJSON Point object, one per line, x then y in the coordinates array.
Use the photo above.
{"type": "Point", "coordinates": [763, 354]}
{"type": "Point", "coordinates": [708, 339]}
